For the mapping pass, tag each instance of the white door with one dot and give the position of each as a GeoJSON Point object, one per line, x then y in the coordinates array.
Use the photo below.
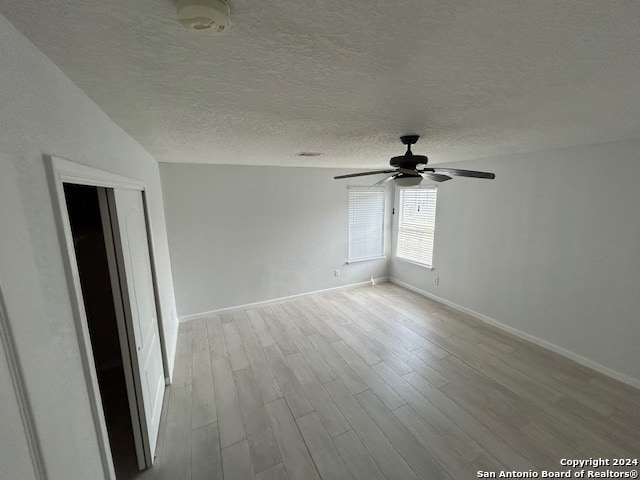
{"type": "Point", "coordinates": [131, 243]}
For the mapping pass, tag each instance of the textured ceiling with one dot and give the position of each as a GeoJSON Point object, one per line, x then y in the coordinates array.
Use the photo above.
{"type": "Point", "coordinates": [475, 78]}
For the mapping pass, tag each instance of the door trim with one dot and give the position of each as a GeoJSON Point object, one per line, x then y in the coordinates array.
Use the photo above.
{"type": "Point", "coordinates": [59, 172]}
{"type": "Point", "coordinates": [22, 399]}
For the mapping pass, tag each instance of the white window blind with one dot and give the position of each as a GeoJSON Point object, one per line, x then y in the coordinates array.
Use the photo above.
{"type": "Point", "coordinates": [416, 225]}
{"type": "Point", "coordinates": [366, 223]}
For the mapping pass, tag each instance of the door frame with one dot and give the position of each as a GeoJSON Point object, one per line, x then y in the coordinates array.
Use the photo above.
{"type": "Point", "coordinates": [59, 172]}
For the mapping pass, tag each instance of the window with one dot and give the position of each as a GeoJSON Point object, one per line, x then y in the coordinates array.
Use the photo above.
{"type": "Point", "coordinates": [416, 225]}
{"type": "Point", "coordinates": [366, 223]}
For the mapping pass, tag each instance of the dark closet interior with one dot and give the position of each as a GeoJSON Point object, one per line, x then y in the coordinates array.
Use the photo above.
{"type": "Point", "coordinates": [88, 237]}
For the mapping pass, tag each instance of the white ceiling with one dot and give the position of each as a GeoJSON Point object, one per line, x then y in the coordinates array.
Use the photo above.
{"type": "Point", "coordinates": [475, 78]}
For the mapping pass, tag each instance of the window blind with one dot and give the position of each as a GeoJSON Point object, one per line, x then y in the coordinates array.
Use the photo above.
{"type": "Point", "coordinates": [366, 223]}
{"type": "Point", "coordinates": [416, 225]}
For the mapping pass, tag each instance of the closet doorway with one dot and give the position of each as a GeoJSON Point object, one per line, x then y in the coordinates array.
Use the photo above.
{"type": "Point", "coordinates": [83, 207]}
{"type": "Point", "coordinates": [109, 255]}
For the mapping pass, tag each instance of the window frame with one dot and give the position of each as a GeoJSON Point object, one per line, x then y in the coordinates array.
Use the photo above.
{"type": "Point", "coordinates": [351, 255]}
{"type": "Point", "coordinates": [426, 263]}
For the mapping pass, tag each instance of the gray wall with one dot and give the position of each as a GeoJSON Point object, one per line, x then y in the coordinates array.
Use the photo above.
{"type": "Point", "coordinates": [550, 248]}
{"type": "Point", "coordinates": [240, 235]}
{"type": "Point", "coordinates": [45, 113]}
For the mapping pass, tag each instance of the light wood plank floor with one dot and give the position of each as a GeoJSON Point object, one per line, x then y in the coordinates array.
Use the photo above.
{"type": "Point", "coordinates": [378, 383]}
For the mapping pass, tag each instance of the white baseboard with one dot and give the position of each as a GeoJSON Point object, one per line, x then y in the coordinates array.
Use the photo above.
{"type": "Point", "coordinates": [525, 336]}
{"type": "Point", "coordinates": [194, 316]}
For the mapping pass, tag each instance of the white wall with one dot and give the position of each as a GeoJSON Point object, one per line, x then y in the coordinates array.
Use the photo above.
{"type": "Point", "coordinates": [241, 235]}
{"type": "Point", "coordinates": [550, 248]}
{"type": "Point", "coordinates": [45, 113]}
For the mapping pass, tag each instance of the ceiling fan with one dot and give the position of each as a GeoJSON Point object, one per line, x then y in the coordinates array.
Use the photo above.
{"type": "Point", "coordinates": [411, 169]}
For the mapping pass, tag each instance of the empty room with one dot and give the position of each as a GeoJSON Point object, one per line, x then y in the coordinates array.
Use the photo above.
{"type": "Point", "coordinates": [319, 240]}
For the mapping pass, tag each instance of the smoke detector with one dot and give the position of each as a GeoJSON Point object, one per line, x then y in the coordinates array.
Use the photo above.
{"type": "Point", "coordinates": [204, 15]}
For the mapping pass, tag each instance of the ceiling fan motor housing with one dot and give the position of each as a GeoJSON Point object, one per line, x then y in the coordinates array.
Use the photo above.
{"type": "Point", "coordinates": [204, 15]}
{"type": "Point", "coordinates": [409, 160]}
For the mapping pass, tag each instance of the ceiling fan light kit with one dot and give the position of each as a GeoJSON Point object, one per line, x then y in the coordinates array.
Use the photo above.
{"type": "Point", "coordinates": [410, 169]}
{"type": "Point", "coordinates": [403, 180]}
{"type": "Point", "coordinates": [211, 16]}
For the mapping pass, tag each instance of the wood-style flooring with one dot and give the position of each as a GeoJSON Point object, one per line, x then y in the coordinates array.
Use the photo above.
{"type": "Point", "coordinates": [379, 383]}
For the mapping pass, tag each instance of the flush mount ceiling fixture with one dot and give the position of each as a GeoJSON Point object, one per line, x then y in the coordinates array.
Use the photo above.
{"type": "Point", "coordinates": [211, 16]}
{"type": "Point", "coordinates": [411, 169]}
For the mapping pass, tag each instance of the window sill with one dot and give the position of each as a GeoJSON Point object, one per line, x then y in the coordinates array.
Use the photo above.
{"type": "Point", "coordinates": [423, 265]}
{"type": "Point", "coordinates": [360, 260]}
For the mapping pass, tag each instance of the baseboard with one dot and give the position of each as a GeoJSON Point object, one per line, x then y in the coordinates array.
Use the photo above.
{"type": "Point", "coordinates": [194, 316]}
{"type": "Point", "coordinates": [525, 336]}
{"type": "Point", "coordinates": [171, 359]}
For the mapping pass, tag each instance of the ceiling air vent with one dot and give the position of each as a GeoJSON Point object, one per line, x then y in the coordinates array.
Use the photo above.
{"type": "Point", "coordinates": [309, 154]}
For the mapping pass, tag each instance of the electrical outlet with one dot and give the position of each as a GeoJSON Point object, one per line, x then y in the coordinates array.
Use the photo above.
{"type": "Point", "coordinates": [336, 273]}
{"type": "Point", "coordinates": [436, 280]}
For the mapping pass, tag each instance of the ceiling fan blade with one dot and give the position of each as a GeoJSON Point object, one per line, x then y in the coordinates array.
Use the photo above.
{"type": "Point", "coordinates": [465, 173]}
{"type": "Point", "coordinates": [436, 177]}
{"type": "Point", "coordinates": [384, 180]}
{"type": "Point", "coordinates": [364, 173]}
